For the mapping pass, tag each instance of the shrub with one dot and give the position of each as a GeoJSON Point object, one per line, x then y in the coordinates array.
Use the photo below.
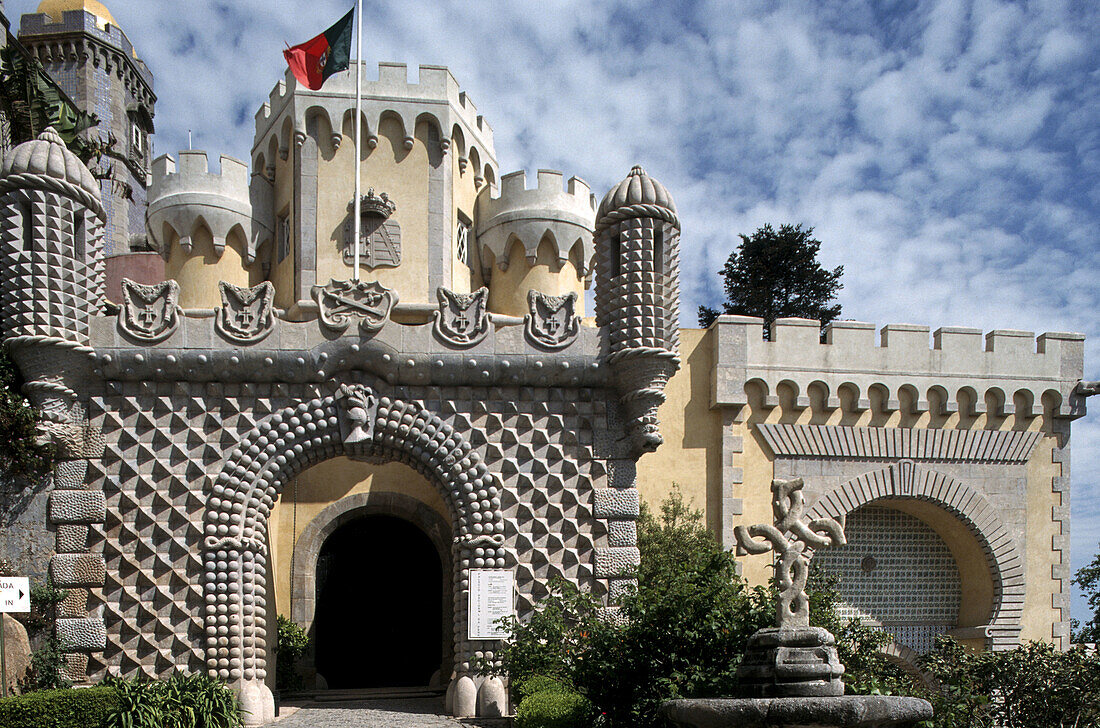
{"type": "Point", "coordinates": [1032, 686]}
{"type": "Point", "coordinates": [554, 709]}
{"type": "Point", "coordinates": [291, 645]}
{"type": "Point", "coordinates": [86, 708]}
{"type": "Point", "coordinates": [181, 701]}
{"type": "Point", "coordinates": [683, 631]}
{"type": "Point", "coordinates": [539, 684]}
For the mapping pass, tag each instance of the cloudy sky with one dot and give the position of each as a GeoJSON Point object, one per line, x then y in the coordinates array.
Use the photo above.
{"type": "Point", "coordinates": [946, 151]}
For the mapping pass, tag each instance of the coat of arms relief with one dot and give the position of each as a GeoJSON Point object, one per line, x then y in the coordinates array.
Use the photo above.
{"type": "Point", "coordinates": [379, 235]}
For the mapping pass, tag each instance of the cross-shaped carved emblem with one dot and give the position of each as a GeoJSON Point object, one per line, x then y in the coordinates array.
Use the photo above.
{"type": "Point", "coordinates": [148, 316]}
{"type": "Point", "coordinates": [794, 541]}
{"type": "Point", "coordinates": [552, 325]}
{"type": "Point", "coordinates": [245, 317]}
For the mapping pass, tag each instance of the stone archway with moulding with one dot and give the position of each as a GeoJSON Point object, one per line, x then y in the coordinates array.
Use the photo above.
{"type": "Point", "coordinates": [307, 549]}
{"type": "Point", "coordinates": [907, 480]}
{"type": "Point", "coordinates": [356, 422]}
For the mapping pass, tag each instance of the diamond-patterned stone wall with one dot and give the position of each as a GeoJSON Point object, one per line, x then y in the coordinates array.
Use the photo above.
{"type": "Point", "coordinates": [164, 441]}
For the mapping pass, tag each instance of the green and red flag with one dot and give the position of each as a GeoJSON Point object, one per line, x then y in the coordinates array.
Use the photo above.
{"type": "Point", "coordinates": [315, 60]}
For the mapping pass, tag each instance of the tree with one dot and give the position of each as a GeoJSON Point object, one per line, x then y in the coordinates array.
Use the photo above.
{"type": "Point", "coordinates": [776, 274]}
{"type": "Point", "coordinates": [1088, 578]}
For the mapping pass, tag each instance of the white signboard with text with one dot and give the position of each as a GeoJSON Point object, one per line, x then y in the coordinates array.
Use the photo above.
{"type": "Point", "coordinates": [491, 597]}
{"type": "Point", "coordinates": [15, 594]}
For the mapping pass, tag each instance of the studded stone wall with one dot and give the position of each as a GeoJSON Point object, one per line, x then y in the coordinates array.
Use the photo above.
{"type": "Point", "coordinates": [164, 441]}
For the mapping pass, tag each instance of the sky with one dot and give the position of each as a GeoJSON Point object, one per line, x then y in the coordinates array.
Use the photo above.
{"type": "Point", "coordinates": [946, 152]}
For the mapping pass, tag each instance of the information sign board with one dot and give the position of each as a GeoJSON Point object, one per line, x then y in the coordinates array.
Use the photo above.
{"type": "Point", "coordinates": [15, 594]}
{"type": "Point", "coordinates": [491, 597]}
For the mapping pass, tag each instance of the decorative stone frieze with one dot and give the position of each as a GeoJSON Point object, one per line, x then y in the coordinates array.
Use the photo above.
{"type": "Point", "coordinates": [341, 302]}
{"type": "Point", "coordinates": [246, 315]}
{"type": "Point", "coordinates": [149, 313]}
{"type": "Point", "coordinates": [834, 441]}
{"type": "Point", "coordinates": [551, 322]}
{"type": "Point", "coordinates": [463, 318]}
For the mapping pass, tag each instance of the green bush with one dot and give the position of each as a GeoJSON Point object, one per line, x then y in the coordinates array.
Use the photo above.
{"type": "Point", "coordinates": [539, 684]}
{"type": "Point", "coordinates": [1032, 686]}
{"type": "Point", "coordinates": [181, 701]}
{"type": "Point", "coordinates": [684, 629]}
{"type": "Point", "coordinates": [84, 708]}
{"type": "Point", "coordinates": [291, 645]}
{"type": "Point", "coordinates": [554, 709]}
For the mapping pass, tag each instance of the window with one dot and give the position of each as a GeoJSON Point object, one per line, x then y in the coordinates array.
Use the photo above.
{"type": "Point", "coordinates": [137, 142]}
{"type": "Point", "coordinates": [283, 233]}
{"type": "Point", "coordinates": [462, 240]}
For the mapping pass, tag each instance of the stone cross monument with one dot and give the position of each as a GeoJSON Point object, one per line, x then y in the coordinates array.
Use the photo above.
{"type": "Point", "coordinates": [792, 659]}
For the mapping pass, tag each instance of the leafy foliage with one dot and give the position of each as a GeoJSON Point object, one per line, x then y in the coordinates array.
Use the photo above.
{"type": "Point", "coordinates": [776, 274]}
{"type": "Point", "coordinates": [47, 661]}
{"type": "Point", "coordinates": [1088, 578]}
{"type": "Point", "coordinates": [1033, 686]}
{"type": "Point", "coordinates": [292, 644]}
{"type": "Point", "coordinates": [181, 701]}
{"type": "Point", "coordinates": [87, 708]}
{"type": "Point", "coordinates": [681, 634]}
{"type": "Point", "coordinates": [21, 454]}
{"type": "Point", "coordinates": [554, 709]}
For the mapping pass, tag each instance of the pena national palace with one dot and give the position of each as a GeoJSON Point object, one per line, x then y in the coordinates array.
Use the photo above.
{"type": "Point", "coordinates": [394, 459]}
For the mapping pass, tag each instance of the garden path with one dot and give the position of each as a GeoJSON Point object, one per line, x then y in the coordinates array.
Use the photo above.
{"type": "Point", "coordinates": [381, 713]}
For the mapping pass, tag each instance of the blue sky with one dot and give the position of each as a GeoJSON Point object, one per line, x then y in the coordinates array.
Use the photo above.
{"type": "Point", "coordinates": [947, 152]}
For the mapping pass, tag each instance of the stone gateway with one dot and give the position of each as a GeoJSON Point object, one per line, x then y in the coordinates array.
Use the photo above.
{"type": "Point", "coordinates": [252, 432]}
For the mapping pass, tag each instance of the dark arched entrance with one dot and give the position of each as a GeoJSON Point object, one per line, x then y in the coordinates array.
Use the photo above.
{"type": "Point", "coordinates": [379, 619]}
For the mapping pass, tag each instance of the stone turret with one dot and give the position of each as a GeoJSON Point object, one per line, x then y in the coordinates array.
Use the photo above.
{"type": "Point", "coordinates": [195, 215]}
{"type": "Point", "coordinates": [540, 239]}
{"type": "Point", "coordinates": [51, 245]}
{"type": "Point", "coordinates": [638, 297]}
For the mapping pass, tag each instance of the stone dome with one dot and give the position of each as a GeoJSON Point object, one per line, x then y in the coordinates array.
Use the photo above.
{"type": "Point", "coordinates": [57, 8]}
{"type": "Point", "coordinates": [637, 189]}
{"type": "Point", "coordinates": [49, 157]}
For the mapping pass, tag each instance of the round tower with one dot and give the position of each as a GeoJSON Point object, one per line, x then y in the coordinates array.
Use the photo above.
{"type": "Point", "coordinates": [202, 224]}
{"type": "Point", "coordinates": [51, 248]}
{"type": "Point", "coordinates": [535, 239]}
{"type": "Point", "coordinates": [638, 297]}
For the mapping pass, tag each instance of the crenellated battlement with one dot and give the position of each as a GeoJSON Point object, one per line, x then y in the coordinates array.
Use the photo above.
{"type": "Point", "coordinates": [515, 212]}
{"type": "Point", "coordinates": [188, 194]}
{"type": "Point", "coordinates": [435, 95]}
{"type": "Point", "coordinates": [956, 369]}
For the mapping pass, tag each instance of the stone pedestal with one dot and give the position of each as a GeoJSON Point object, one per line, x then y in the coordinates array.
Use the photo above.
{"type": "Point", "coordinates": [796, 662]}
{"type": "Point", "coordinates": [845, 711]}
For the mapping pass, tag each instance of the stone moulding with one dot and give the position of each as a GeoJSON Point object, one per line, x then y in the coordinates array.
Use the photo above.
{"type": "Point", "coordinates": [551, 321]}
{"type": "Point", "coordinates": [463, 318]}
{"type": "Point", "coordinates": [246, 315]}
{"type": "Point", "coordinates": [908, 480]}
{"type": "Point", "coordinates": [356, 422]}
{"type": "Point", "coordinates": [341, 302]}
{"type": "Point", "coordinates": [834, 441]}
{"type": "Point", "coordinates": [149, 313]}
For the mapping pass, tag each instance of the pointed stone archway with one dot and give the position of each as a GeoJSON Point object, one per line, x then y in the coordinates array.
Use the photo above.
{"type": "Point", "coordinates": [355, 422]}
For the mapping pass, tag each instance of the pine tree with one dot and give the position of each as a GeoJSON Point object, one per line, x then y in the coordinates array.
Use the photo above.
{"type": "Point", "coordinates": [776, 274]}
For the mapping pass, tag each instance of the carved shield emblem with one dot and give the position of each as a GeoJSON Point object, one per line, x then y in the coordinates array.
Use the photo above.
{"type": "Point", "coordinates": [247, 314]}
{"type": "Point", "coordinates": [341, 302]}
{"type": "Point", "coordinates": [551, 322]}
{"type": "Point", "coordinates": [149, 313]}
{"type": "Point", "coordinates": [379, 236]}
{"type": "Point", "coordinates": [463, 318]}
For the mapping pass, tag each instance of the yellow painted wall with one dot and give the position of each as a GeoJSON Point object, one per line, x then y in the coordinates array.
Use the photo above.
{"type": "Point", "coordinates": [464, 196]}
{"type": "Point", "coordinates": [282, 271]}
{"type": "Point", "coordinates": [692, 454]}
{"type": "Point", "coordinates": [319, 487]}
{"type": "Point", "coordinates": [508, 288]}
{"type": "Point", "coordinates": [199, 270]}
{"type": "Point", "coordinates": [403, 175]}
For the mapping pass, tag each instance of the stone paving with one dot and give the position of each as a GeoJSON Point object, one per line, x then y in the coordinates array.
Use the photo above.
{"type": "Point", "coordinates": [380, 713]}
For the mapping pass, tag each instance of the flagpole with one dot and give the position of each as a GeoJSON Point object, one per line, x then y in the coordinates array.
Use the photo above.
{"type": "Point", "coordinates": [358, 120]}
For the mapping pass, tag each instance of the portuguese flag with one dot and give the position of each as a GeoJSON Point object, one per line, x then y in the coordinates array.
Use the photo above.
{"type": "Point", "coordinates": [315, 60]}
